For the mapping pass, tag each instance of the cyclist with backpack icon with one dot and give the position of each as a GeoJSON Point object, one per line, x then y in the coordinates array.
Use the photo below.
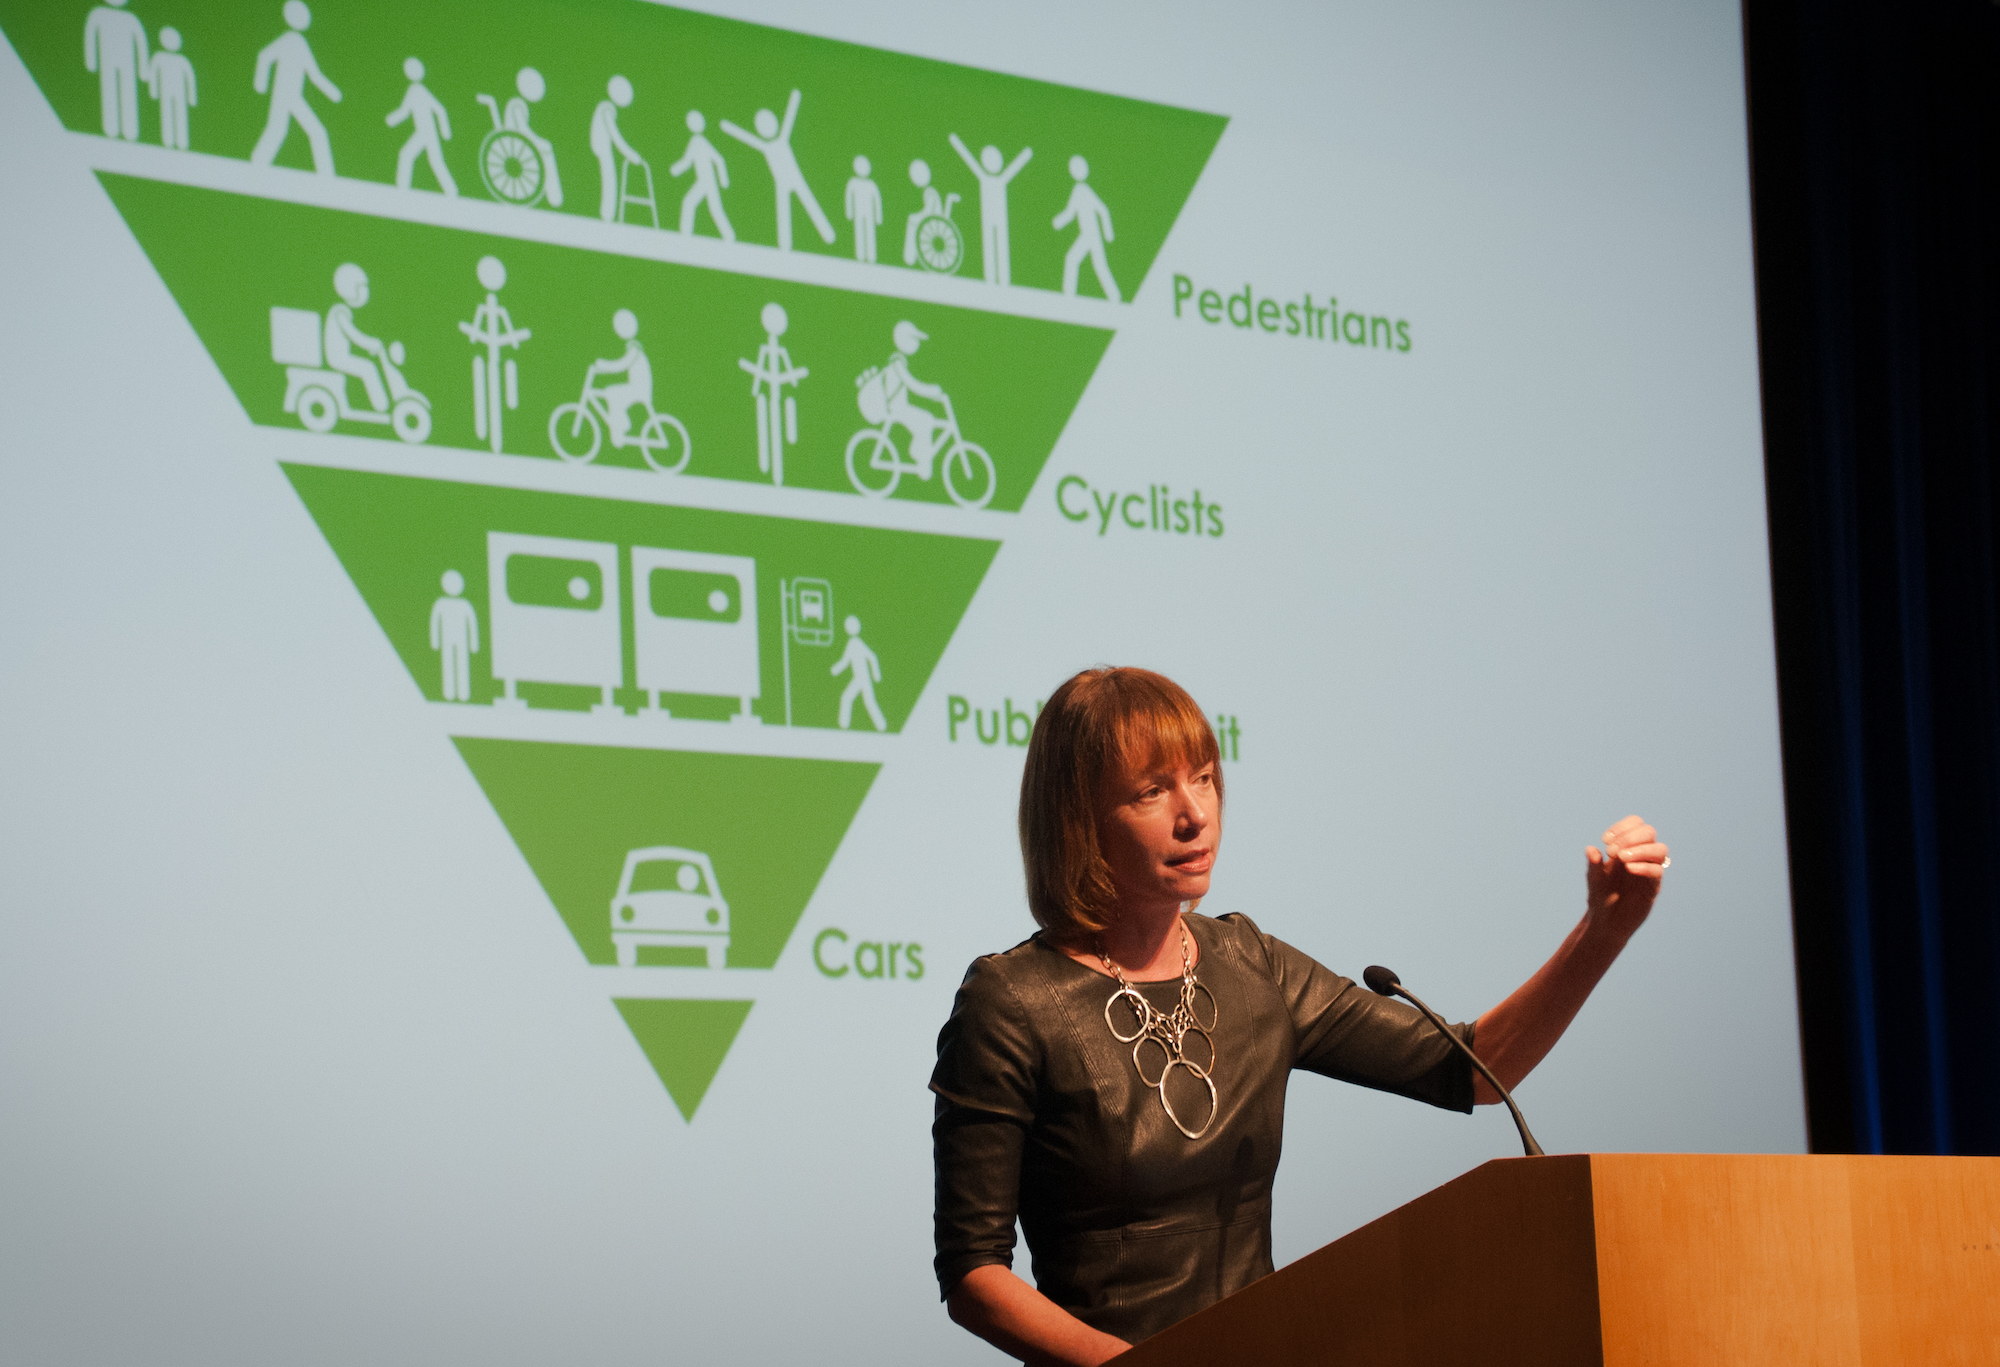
{"type": "Point", "coordinates": [885, 396]}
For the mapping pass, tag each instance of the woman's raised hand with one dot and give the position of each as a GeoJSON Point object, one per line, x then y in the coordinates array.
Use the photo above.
{"type": "Point", "coordinates": [1624, 877]}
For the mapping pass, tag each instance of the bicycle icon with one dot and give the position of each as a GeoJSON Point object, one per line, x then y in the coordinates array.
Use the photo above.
{"type": "Point", "coordinates": [577, 429]}
{"type": "Point", "coordinates": [940, 245]}
{"type": "Point", "coordinates": [884, 395]}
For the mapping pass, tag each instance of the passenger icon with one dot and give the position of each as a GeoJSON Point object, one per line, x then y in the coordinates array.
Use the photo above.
{"type": "Point", "coordinates": [864, 671]}
{"type": "Point", "coordinates": [319, 360]}
{"type": "Point", "coordinates": [930, 238]}
{"type": "Point", "coordinates": [170, 78]}
{"type": "Point", "coordinates": [577, 429]}
{"type": "Point", "coordinates": [283, 68]}
{"type": "Point", "coordinates": [864, 210]}
{"type": "Point", "coordinates": [994, 174]}
{"type": "Point", "coordinates": [774, 139]}
{"type": "Point", "coordinates": [517, 164]}
{"type": "Point", "coordinates": [886, 396]}
{"type": "Point", "coordinates": [553, 615]}
{"type": "Point", "coordinates": [777, 412]}
{"type": "Point", "coordinates": [114, 49]}
{"type": "Point", "coordinates": [616, 159]}
{"type": "Point", "coordinates": [695, 627]}
{"type": "Point", "coordinates": [668, 897]}
{"type": "Point", "coordinates": [496, 382]}
{"type": "Point", "coordinates": [1093, 230]}
{"type": "Point", "coordinates": [711, 178]}
{"type": "Point", "coordinates": [455, 636]}
{"type": "Point", "coordinates": [430, 129]}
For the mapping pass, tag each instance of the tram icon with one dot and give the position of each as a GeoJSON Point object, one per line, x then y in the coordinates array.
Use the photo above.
{"type": "Point", "coordinates": [554, 614]}
{"type": "Point", "coordinates": [694, 626]}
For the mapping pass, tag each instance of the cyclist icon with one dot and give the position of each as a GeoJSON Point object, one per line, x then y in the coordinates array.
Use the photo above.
{"type": "Point", "coordinates": [886, 396]}
{"type": "Point", "coordinates": [577, 429]}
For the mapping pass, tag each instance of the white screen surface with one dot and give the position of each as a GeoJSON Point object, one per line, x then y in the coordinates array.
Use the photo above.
{"type": "Point", "coordinates": [304, 1064]}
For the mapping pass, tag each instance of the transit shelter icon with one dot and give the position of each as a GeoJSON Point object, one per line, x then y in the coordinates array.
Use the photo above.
{"type": "Point", "coordinates": [553, 613]}
{"type": "Point", "coordinates": [668, 897]}
{"type": "Point", "coordinates": [695, 626]}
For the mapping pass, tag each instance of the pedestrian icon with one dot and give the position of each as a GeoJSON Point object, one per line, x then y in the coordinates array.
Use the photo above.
{"type": "Point", "coordinates": [774, 139]}
{"type": "Point", "coordinates": [578, 429]}
{"type": "Point", "coordinates": [864, 671]}
{"type": "Point", "coordinates": [886, 396]}
{"type": "Point", "coordinates": [496, 383]}
{"type": "Point", "coordinates": [1093, 231]}
{"type": "Point", "coordinates": [668, 898]}
{"type": "Point", "coordinates": [864, 210]}
{"type": "Point", "coordinates": [114, 49]}
{"type": "Point", "coordinates": [430, 129]}
{"type": "Point", "coordinates": [777, 412]}
{"type": "Point", "coordinates": [320, 359]}
{"type": "Point", "coordinates": [994, 174]}
{"type": "Point", "coordinates": [455, 636]}
{"type": "Point", "coordinates": [711, 178]}
{"type": "Point", "coordinates": [617, 161]}
{"type": "Point", "coordinates": [170, 78]}
{"type": "Point", "coordinates": [517, 164]}
{"type": "Point", "coordinates": [283, 68]}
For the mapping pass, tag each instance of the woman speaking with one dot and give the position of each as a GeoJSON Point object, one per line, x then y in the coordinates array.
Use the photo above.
{"type": "Point", "coordinates": [1117, 1081]}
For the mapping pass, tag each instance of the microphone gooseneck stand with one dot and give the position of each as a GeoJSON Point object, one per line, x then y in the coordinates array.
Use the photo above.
{"type": "Point", "coordinates": [1384, 982]}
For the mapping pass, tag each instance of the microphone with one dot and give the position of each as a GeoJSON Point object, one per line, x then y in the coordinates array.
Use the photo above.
{"type": "Point", "coordinates": [1384, 982]}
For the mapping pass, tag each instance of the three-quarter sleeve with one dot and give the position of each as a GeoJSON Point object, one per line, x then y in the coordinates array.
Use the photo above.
{"type": "Point", "coordinates": [1347, 1032]}
{"type": "Point", "coordinates": [988, 1061]}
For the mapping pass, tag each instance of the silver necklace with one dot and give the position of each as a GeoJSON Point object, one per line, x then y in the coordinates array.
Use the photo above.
{"type": "Point", "coordinates": [1165, 1031]}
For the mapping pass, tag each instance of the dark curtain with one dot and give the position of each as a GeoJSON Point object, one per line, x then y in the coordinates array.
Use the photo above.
{"type": "Point", "coordinates": [1875, 163]}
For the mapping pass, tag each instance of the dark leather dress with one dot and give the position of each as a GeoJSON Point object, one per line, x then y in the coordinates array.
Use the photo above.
{"type": "Point", "coordinates": [1041, 1114]}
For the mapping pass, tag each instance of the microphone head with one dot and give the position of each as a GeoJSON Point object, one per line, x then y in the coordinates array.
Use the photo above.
{"type": "Point", "coordinates": [1381, 980]}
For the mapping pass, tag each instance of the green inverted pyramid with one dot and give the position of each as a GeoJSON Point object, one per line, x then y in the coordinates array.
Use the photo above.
{"type": "Point", "coordinates": [758, 831]}
{"type": "Point", "coordinates": [685, 1041]}
{"type": "Point", "coordinates": [1142, 158]}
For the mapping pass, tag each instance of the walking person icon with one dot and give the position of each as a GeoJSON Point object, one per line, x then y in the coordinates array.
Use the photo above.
{"type": "Point", "coordinates": [993, 179]}
{"type": "Point", "coordinates": [455, 636]}
{"type": "Point", "coordinates": [114, 47]}
{"type": "Point", "coordinates": [864, 210]}
{"type": "Point", "coordinates": [1093, 230]}
{"type": "Point", "coordinates": [170, 78]}
{"type": "Point", "coordinates": [864, 670]}
{"type": "Point", "coordinates": [430, 129]}
{"type": "Point", "coordinates": [283, 68]}
{"type": "Point", "coordinates": [711, 178]}
{"type": "Point", "coordinates": [774, 140]}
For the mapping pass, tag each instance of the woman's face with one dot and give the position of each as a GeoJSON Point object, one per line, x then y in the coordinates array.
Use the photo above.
{"type": "Point", "coordinates": [1158, 827]}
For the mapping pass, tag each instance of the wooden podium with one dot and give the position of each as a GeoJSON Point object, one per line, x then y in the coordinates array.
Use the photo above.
{"type": "Point", "coordinates": [1666, 1260]}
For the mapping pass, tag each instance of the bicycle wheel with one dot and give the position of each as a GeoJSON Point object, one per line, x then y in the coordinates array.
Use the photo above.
{"type": "Point", "coordinates": [511, 167]}
{"type": "Point", "coordinates": [574, 432]}
{"type": "Point", "coordinates": [939, 245]}
{"type": "Point", "coordinates": [665, 444]}
{"type": "Point", "coordinates": [968, 476]}
{"type": "Point", "coordinates": [877, 450]}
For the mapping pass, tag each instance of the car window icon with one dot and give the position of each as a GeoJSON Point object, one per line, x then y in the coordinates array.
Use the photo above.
{"type": "Point", "coordinates": [668, 897]}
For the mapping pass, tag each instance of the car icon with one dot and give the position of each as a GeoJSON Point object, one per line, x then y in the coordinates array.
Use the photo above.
{"type": "Point", "coordinates": [668, 896]}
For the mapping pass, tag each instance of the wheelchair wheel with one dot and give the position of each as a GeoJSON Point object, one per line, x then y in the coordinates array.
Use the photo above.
{"type": "Point", "coordinates": [574, 432]}
{"type": "Point", "coordinates": [511, 167]}
{"type": "Point", "coordinates": [873, 450]}
{"type": "Point", "coordinates": [318, 411]}
{"type": "Point", "coordinates": [411, 421]}
{"type": "Point", "coordinates": [968, 476]}
{"type": "Point", "coordinates": [665, 444]}
{"type": "Point", "coordinates": [939, 246]}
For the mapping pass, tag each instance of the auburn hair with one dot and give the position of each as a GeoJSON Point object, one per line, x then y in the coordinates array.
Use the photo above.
{"type": "Point", "coordinates": [1097, 725]}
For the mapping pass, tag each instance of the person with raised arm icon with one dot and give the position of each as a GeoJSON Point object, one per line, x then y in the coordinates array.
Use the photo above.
{"type": "Point", "coordinates": [993, 178]}
{"type": "Point", "coordinates": [920, 176]}
{"type": "Point", "coordinates": [864, 210]}
{"type": "Point", "coordinates": [170, 77]}
{"type": "Point", "coordinates": [343, 339]}
{"type": "Point", "coordinates": [711, 178]}
{"type": "Point", "coordinates": [864, 670]}
{"type": "Point", "coordinates": [774, 140]}
{"type": "Point", "coordinates": [430, 129]}
{"type": "Point", "coordinates": [455, 637]}
{"type": "Point", "coordinates": [608, 145]}
{"type": "Point", "coordinates": [1093, 230]}
{"type": "Point", "coordinates": [114, 47]}
{"type": "Point", "coordinates": [283, 68]}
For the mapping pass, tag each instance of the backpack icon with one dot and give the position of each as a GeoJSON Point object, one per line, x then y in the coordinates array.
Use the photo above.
{"type": "Point", "coordinates": [872, 394]}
